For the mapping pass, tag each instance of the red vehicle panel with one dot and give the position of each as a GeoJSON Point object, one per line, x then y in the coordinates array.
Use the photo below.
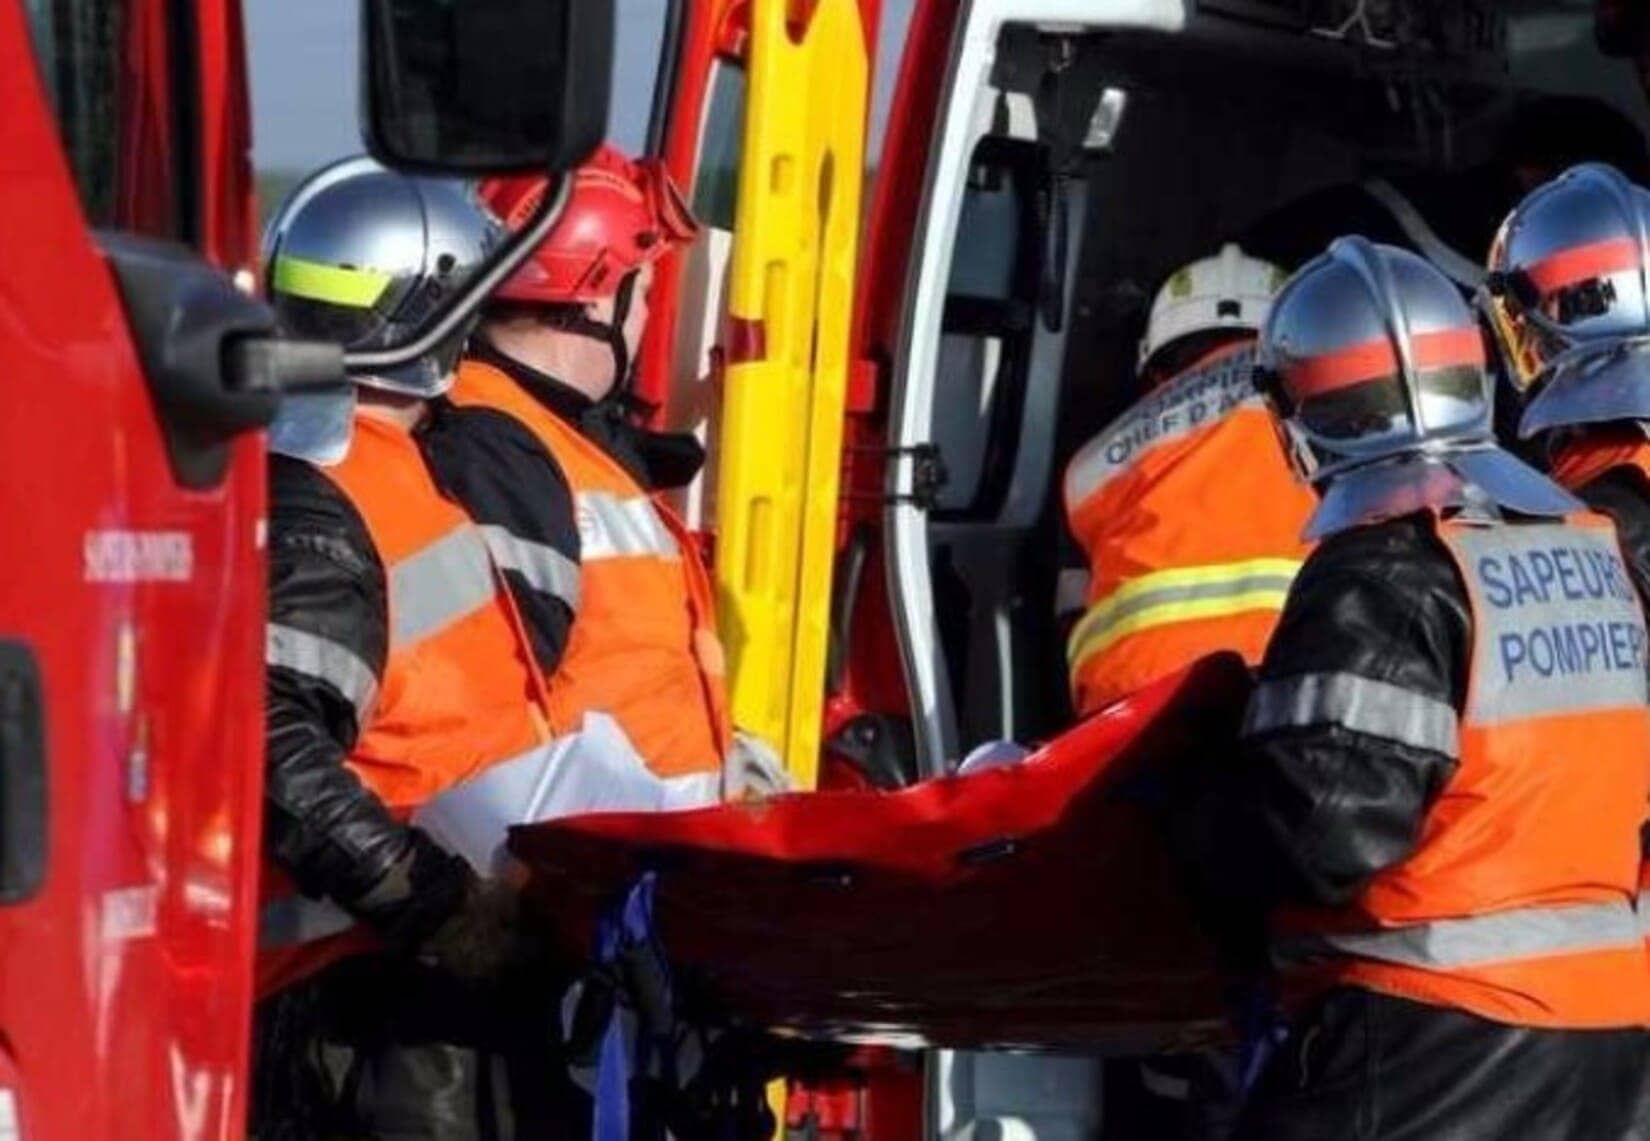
{"type": "Point", "coordinates": [125, 978]}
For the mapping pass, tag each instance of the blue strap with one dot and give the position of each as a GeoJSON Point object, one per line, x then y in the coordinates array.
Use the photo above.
{"type": "Point", "coordinates": [627, 926]}
{"type": "Point", "coordinates": [1260, 1032]}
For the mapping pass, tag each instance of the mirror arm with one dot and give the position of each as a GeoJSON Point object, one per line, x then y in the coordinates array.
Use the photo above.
{"type": "Point", "coordinates": [464, 304]}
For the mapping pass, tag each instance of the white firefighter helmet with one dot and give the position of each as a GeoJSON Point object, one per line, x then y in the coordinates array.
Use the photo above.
{"type": "Point", "coordinates": [1229, 292]}
{"type": "Point", "coordinates": [1376, 368]}
{"type": "Point", "coordinates": [1568, 296]}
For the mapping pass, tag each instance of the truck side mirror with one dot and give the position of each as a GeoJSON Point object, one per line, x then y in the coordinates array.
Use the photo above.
{"type": "Point", "coordinates": [473, 87]}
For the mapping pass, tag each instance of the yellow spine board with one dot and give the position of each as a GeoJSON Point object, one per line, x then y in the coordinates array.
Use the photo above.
{"type": "Point", "coordinates": [779, 451]}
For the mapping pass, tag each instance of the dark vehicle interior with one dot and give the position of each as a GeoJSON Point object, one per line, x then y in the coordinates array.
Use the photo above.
{"type": "Point", "coordinates": [1114, 158]}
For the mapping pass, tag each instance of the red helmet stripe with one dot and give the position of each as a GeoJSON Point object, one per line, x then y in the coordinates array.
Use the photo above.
{"type": "Point", "coordinates": [1355, 364]}
{"type": "Point", "coordinates": [1583, 263]}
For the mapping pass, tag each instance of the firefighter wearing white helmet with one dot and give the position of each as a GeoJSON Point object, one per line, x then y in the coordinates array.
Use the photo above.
{"type": "Point", "coordinates": [1442, 777]}
{"type": "Point", "coordinates": [396, 671]}
{"type": "Point", "coordinates": [1185, 505]}
{"type": "Point", "coordinates": [1205, 303]}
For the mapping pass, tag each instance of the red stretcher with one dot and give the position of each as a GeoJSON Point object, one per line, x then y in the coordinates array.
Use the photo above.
{"type": "Point", "coordinates": [1029, 907]}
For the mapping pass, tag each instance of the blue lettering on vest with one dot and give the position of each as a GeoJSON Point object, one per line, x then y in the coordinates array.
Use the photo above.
{"type": "Point", "coordinates": [1541, 566]}
{"type": "Point", "coordinates": [1523, 589]}
{"type": "Point", "coordinates": [1572, 649]}
{"type": "Point", "coordinates": [1564, 560]}
{"type": "Point", "coordinates": [1496, 590]}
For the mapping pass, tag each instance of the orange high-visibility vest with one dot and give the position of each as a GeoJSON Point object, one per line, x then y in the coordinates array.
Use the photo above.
{"type": "Point", "coordinates": [643, 646]}
{"type": "Point", "coordinates": [1518, 902]}
{"type": "Point", "coordinates": [1577, 464]}
{"type": "Point", "coordinates": [459, 693]}
{"type": "Point", "coordinates": [1191, 518]}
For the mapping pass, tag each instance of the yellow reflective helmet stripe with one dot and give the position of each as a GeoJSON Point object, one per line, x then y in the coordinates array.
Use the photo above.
{"type": "Point", "coordinates": [1181, 595]}
{"type": "Point", "coordinates": [335, 284]}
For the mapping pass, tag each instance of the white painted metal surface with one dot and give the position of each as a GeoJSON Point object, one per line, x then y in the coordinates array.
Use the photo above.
{"type": "Point", "coordinates": [973, 1095]}
{"type": "Point", "coordinates": [962, 122]}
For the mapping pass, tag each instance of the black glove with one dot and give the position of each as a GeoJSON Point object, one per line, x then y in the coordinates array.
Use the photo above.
{"type": "Point", "coordinates": [489, 936]}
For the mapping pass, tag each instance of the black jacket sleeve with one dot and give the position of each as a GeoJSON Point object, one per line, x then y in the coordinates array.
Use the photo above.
{"type": "Point", "coordinates": [1351, 732]}
{"type": "Point", "coordinates": [491, 464]}
{"type": "Point", "coordinates": [327, 644]}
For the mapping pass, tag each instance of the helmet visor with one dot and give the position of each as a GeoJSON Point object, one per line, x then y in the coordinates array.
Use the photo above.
{"type": "Point", "coordinates": [1360, 394]}
{"type": "Point", "coordinates": [324, 321]}
{"type": "Point", "coordinates": [666, 203]}
{"type": "Point", "coordinates": [1449, 398]}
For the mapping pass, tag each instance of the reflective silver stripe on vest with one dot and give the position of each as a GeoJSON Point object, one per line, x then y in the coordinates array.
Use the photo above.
{"type": "Point", "coordinates": [1643, 909]}
{"type": "Point", "coordinates": [596, 769]}
{"type": "Point", "coordinates": [546, 569]}
{"type": "Point", "coordinates": [438, 585]}
{"type": "Point", "coordinates": [1557, 623]}
{"type": "Point", "coordinates": [1478, 940]}
{"type": "Point", "coordinates": [323, 659]}
{"type": "Point", "coordinates": [615, 526]}
{"type": "Point", "coordinates": [295, 919]}
{"type": "Point", "coordinates": [1361, 704]}
{"type": "Point", "coordinates": [1180, 407]}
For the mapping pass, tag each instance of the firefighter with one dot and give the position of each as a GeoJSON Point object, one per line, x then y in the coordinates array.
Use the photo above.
{"type": "Point", "coordinates": [1567, 299]}
{"type": "Point", "coordinates": [1185, 505]}
{"type": "Point", "coordinates": [1444, 768]}
{"type": "Point", "coordinates": [396, 671]}
{"type": "Point", "coordinates": [538, 440]}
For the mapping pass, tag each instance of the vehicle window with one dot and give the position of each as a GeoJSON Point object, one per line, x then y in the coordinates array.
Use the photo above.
{"type": "Point", "coordinates": [638, 54]}
{"type": "Point", "coordinates": [721, 144]}
{"type": "Point", "coordinates": [891, 37]}
{"type": "Point", "coordinates": [986, 326]}
{"type": "Point", "coordinates": [120, 78]}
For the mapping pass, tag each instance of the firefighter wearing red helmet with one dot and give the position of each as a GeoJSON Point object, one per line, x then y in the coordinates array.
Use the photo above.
{"type": "Point", "coordinates": [537, 440]}
{"type": "Point", "coordinates": [1438, 803]}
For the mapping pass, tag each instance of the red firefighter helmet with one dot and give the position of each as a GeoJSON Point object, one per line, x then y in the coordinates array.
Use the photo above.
{"type": "Point", "coordinates": [622, 215]}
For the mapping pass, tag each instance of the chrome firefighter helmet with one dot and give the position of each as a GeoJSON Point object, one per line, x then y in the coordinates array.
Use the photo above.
{"type": "Point", "coordinates": [1568, 297]}
{"type": "Point", "coordinates": [361, 255]}
{"type": "Point", "coordinates": [1211, 297]}
{"type": "Point", "coordinates": [1375, 367]}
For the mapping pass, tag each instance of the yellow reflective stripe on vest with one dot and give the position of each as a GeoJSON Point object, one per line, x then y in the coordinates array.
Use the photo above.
{"type": "Point", "coordinates": [546, 569]}
{"type": "Point", "coordinates": [615, 526]}
{"type": "Point", "coordinates": [436, 586]}
{"type": "Point", "coordinates": [1181, 595]}
{"type": "Point", "coordinates": [1356, 703]}
{"type": "Point", "coordinates": [337, 285]}
{"type": "Point", "coordinates": [325, 660]}
{"type": "Point", "coordinates": [1478, 940]}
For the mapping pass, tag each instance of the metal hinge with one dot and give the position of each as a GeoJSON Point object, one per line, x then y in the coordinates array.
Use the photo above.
{"type": "Point", "coordinates": [928, 475]}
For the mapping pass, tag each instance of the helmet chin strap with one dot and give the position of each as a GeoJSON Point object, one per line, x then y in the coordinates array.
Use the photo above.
{"type": "Point", "coordinates": [610, 333]}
